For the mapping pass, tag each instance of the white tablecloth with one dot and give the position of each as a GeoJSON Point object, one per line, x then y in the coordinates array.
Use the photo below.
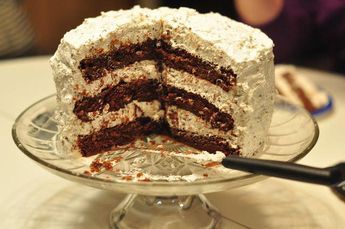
{"type": "Point", "coordinates": [31, 197]}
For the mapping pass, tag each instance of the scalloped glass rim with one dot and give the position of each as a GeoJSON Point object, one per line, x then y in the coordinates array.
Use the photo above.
{"type": "Point", "coordinates": [82, 178]}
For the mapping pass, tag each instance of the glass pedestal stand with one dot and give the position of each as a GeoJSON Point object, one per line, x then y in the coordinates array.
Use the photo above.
{"type": "Point", "coordinates": [165, 212]}
{"type": "Point", "coordinates": [173, 196]}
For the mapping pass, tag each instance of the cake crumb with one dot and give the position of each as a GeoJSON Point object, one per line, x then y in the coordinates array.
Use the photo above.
{"type": "Point", "coordinates": [212, 164]}
{"type": "Point", "coordinates": [107, 165]}
{"type": "Point", "coordinates": [128, 178]}
{"type": "Point", "coordinates": [146, 179]}
{"type": "Point", "coordinates": [95, 166]}
{"type": "Point", "coordinates": [87, 173]}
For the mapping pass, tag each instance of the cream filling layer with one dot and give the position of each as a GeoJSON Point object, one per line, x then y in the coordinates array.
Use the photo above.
{"type": "Point", "coordinates": [145, 69]}
{"type": "Point", "coordinates": [190, 83]}
{"type": "Point", "coordinates": [189, 122]}
{"type": "Point", "coordinates": [127, 114]}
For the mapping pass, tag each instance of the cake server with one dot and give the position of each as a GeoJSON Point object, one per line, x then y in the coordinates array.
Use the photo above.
{"type": "Point", "coordinates": [333, 176]}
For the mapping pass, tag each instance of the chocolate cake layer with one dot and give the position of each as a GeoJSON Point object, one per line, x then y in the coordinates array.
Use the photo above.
{"type": "Point", "coordinates": [210, 144]}
{"type": "Point", "coordinates": [182, 60]}
{"type": "Point", "coordinates": [93, 68]}
{"type": "Point", "coordinates": [117, 97]}
{"type": "Point", "coordinates": [198, 106]}
{"type": "Point", "coordinates": [109, 138]}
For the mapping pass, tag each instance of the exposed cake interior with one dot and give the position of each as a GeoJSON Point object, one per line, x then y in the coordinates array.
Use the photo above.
{"type": "Point", "coordinates": [95, 67]}
{"type": "Point", "coordinates": [109, 138]}
{"type": "Point", "coordinates": [144, 71]}
{"type": "Point", "coordinates": [117, 96]}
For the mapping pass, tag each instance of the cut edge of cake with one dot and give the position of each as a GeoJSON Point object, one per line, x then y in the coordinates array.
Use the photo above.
{"type": "Point", "coordinates": [248, 55]}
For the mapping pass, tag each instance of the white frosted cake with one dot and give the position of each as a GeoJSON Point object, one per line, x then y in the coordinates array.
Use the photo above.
{"type": "Point", "coordinates": [203, 79]}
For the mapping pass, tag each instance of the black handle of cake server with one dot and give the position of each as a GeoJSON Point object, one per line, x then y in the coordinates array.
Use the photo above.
{"type": "Point", "coordinates": [330, 176]}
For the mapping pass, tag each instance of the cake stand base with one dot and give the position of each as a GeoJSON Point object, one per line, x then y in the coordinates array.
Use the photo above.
{"type": "Point", "coordinates": [137, 211]}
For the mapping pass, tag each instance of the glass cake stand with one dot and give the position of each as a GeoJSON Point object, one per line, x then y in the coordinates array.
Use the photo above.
{"type": "Point", "coordinates": [165, 180]}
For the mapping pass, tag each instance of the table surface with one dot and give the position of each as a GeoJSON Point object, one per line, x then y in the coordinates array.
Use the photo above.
{"type": "Point", "coordinates": [31, 197]}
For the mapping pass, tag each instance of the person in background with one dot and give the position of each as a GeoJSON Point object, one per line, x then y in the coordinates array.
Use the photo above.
{"type": "Point", "coordinates": [307, 32]}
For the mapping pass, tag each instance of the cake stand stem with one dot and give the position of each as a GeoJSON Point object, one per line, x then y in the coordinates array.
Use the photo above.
{"type": "Point", "coordinates": [120, 211]}
{"type": "Point", "coordinates": [137, 211]}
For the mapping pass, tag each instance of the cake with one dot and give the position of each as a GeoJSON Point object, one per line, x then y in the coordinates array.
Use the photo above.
{"type": "Point", "coordinates": [203, 79]}
{"type": "Point", "coordinates": [299, 90]}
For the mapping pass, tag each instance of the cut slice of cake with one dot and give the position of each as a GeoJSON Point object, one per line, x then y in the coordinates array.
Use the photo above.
{"type": "Point", "coordinates": [203, 79]}
{"type": "Point", "coordinates": [298, 89]}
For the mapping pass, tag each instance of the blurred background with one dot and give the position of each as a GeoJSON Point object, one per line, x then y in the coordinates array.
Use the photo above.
{"type": "Point", "coordinates": [305, 32]}
{"type": "Point", "coordinates": [45, 22]}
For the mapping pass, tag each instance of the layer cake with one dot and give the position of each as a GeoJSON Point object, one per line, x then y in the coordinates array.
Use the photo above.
{"type": "Point", "coordinates": [202, 79]}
